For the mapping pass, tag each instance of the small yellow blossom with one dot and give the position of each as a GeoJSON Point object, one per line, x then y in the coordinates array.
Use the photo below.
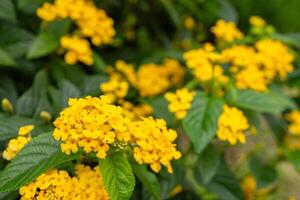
{"type": "Point", "coordinates": [257, 21]}
{"type": "Point", "coordinates": [154, 143]}
{"type": "Point", "coordinates": [58, 184]}
{"type": "Point", "coordinates": [226, 31]}
{"type": "Point", "coordinates": [77, 49]}
{"type": "Point", "coordinates": [135, 112]}
{"type": "Point", "coordinates": [189, 22]}
{"type": "Point", "coordinates": [92, 22]}
{"type": "Point", "coordinates": [275, 58]}
{"type": "Point", "coordinates": [45, 116]}
{"type": "Point", "coordinates": [153, 79]}
{"type": "Point", "coordinates": [294, 119]}
{"type": "Point", "coordinates": [6, 105]}
{"type": "Point", "coordinates": [15, 145]}
{"type": "Point", "coordinates": [231, 125]}
{"type": "Point", "coordinates": [249, 187]}
{"type": "Point", "coordinates": [180, 102]}
{"type": "Point", "coordinates": [116, 88]}
{"type": "Point", "coordinates": [91, 123]}
{"type": "Point", "coordinates": [204, 64]}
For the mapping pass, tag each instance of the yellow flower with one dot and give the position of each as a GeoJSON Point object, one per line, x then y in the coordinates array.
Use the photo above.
{"type": "Point", "coordinates": [6, 105]}
{"type": "Point", "coordinates": [180, 102]}
{"type": "Point", "coordinates": [249, 187]}
{"type": "Point", "coordinates": [153, 79]}
{"type": "Point", "coordinates": [275, 58]}
{"type": "Point", "coordinates": [226, 31]}
{"type": "Point", "coordinates": [92, 22]}
{"type": "Point", "coordinates": [135, 112]}
{"type": "Point", "coordinates": [91, 123]}
{"type": "Point", "coordinates": [15, 145]}
{"type": "Point", "coordinates": [116, 88]}
{"type": "Point", "coordinates": [204, 64]}
{"type": "Point", "coordinates": [58, 184]}
{"type": "Point", "coordinates": [231, 125]}
{"type": "Point", "coordinates": [77, 49]}
{"type": "Point", "coordinates": [257, 21]}
{"type": "Point", "coordinates": [189, 22]}
{"type": "Point", "coordinates": [294, 119]}
{"type": "Point", "coordinates": [154, 143]}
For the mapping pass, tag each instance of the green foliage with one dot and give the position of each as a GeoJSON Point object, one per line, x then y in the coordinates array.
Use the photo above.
{"type": "Point", "coordinates": [117, 176]}
{"type": "Point", "coordinates": [40, 155]}
{"type": "Point", "coordinates": [201, 120]}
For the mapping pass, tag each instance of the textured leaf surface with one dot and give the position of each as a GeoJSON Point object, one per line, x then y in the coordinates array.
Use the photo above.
{"type": "Point", "coordinates": [201, 120]}
{"type": "Point", "coordinates": [117, 176]}
{"type": "Point", "coordinates": [148, 180]}
{"type": "Point", "coordinates": [38, 156]}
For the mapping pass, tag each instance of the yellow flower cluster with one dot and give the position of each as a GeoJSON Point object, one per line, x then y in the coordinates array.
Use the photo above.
{"type": "Point", "coordinates": [257, 21]}
{"type": "Point", "coordinates": [153, 79]}
{"type": "Point", "coordinates": [94, 124]}
{"type": "Point", "coordinates": [180, 102]}
{"type": "Point", "coordinates": [154, 143]}
{"type": "Point", "coordinates": [91, 123]}
{"type": "Point", "coordinates": [294, 119]}
{"type": "Point", "coordinates": [255, 68]}
{"type": "Point", "coordinates": [92, 22]}
{"type": "Point", "coordinates": [77, 49]}
{"type": "Point", "coordinates": [58, 184]}
{"type": "Point", "coordinates": [231, 125]}
{"type": "Point", "coordinates": [204, 63]}
{"type": "Point", "coordinates": [275, 58]}
{"type": "Point", "coordinates": [226, 31]}
{"type": "Point", "coordinates": [135, 112]}
{"type": "Point", "coordinates": [15, 145]}
{"type": "Point", "coordinates": [116, 88]}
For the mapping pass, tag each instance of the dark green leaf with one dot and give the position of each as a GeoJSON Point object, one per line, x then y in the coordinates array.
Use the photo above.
{"type": "Point", "coordinates": [39, 155]}
{"type": "Point", "coordinates": [99, 63]}
{"type": "Point", "coordinates": [44, 44]}
{"type": "Point", "coordinates": [269, 102]}
{"type": "Point", "coordinates": [148, 180]}
{"type": "Point", "coordinates": [208, 163]}
{"type": "Point", "coordinates": [8, 89]}
{"type": "Point", "coordinates": [68, 90]}
{"type": "Point", "coordinates": [225, 184]}
{"type": "Point", "coordinates": [6, 59]}
{"type": "Point", "coordinates": [201, 120]}
{"type": "Point", "coordinates": [29, 6]}
{"type": "Point", "coordinates": [9, 195]}
{"type": "Point", "coordinates": [117, 176]}
{"type": "Point", "coordinates": [90, 84]}
{"type": "Point", "coordinates": [227, 11]}
{"type": "Point", "coordinates": [7, 10]}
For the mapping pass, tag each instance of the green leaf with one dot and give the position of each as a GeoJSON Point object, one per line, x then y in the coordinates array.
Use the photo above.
{"type": "Point", "coordinates": [227, 11]}
{"type": "Point", "coordinates": [269, 102]}
{"type": "Point", "coordinates": [6, 59]}
{"type": "Point", "coordinates": [9, 125]}
{"type": "Point", "coordinates": [201, 120]}
{"type": "Point", "coordinates": [90, 84]}
{"type": "Point", "coordinates": [99, 63]}
{"type": "Point", "coordinates": [35, 99]}
{"type": "Point", "coordinates": [172, 12]}
{"type": "Point", "coordinates": [39, 155]}
{"type": "Point", "coordinates": [9, 195]}
{"type": "Point", "coordinates": [8, 89]}
{"type": "Point", "coordinates": [29, 6]}
{"type": "Point", "coordinates": [160, 109]}
{"type": "Point", "coordinates": [208, 163]}
{"type": "Point", "coordinates": [7, 10]}
{"type": "Point", "coordinates": [148, 180]}
{"type": "Point", "coordinates": [225, 184]}
{"type": "Point", "coordinates": [117, 176]}
{"type": "Point", "coordinates": [44, 44]}
{"type": "Point", "coordinates": [14, 40]}
{"type": "Point", "coordinates": [68, 90]}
